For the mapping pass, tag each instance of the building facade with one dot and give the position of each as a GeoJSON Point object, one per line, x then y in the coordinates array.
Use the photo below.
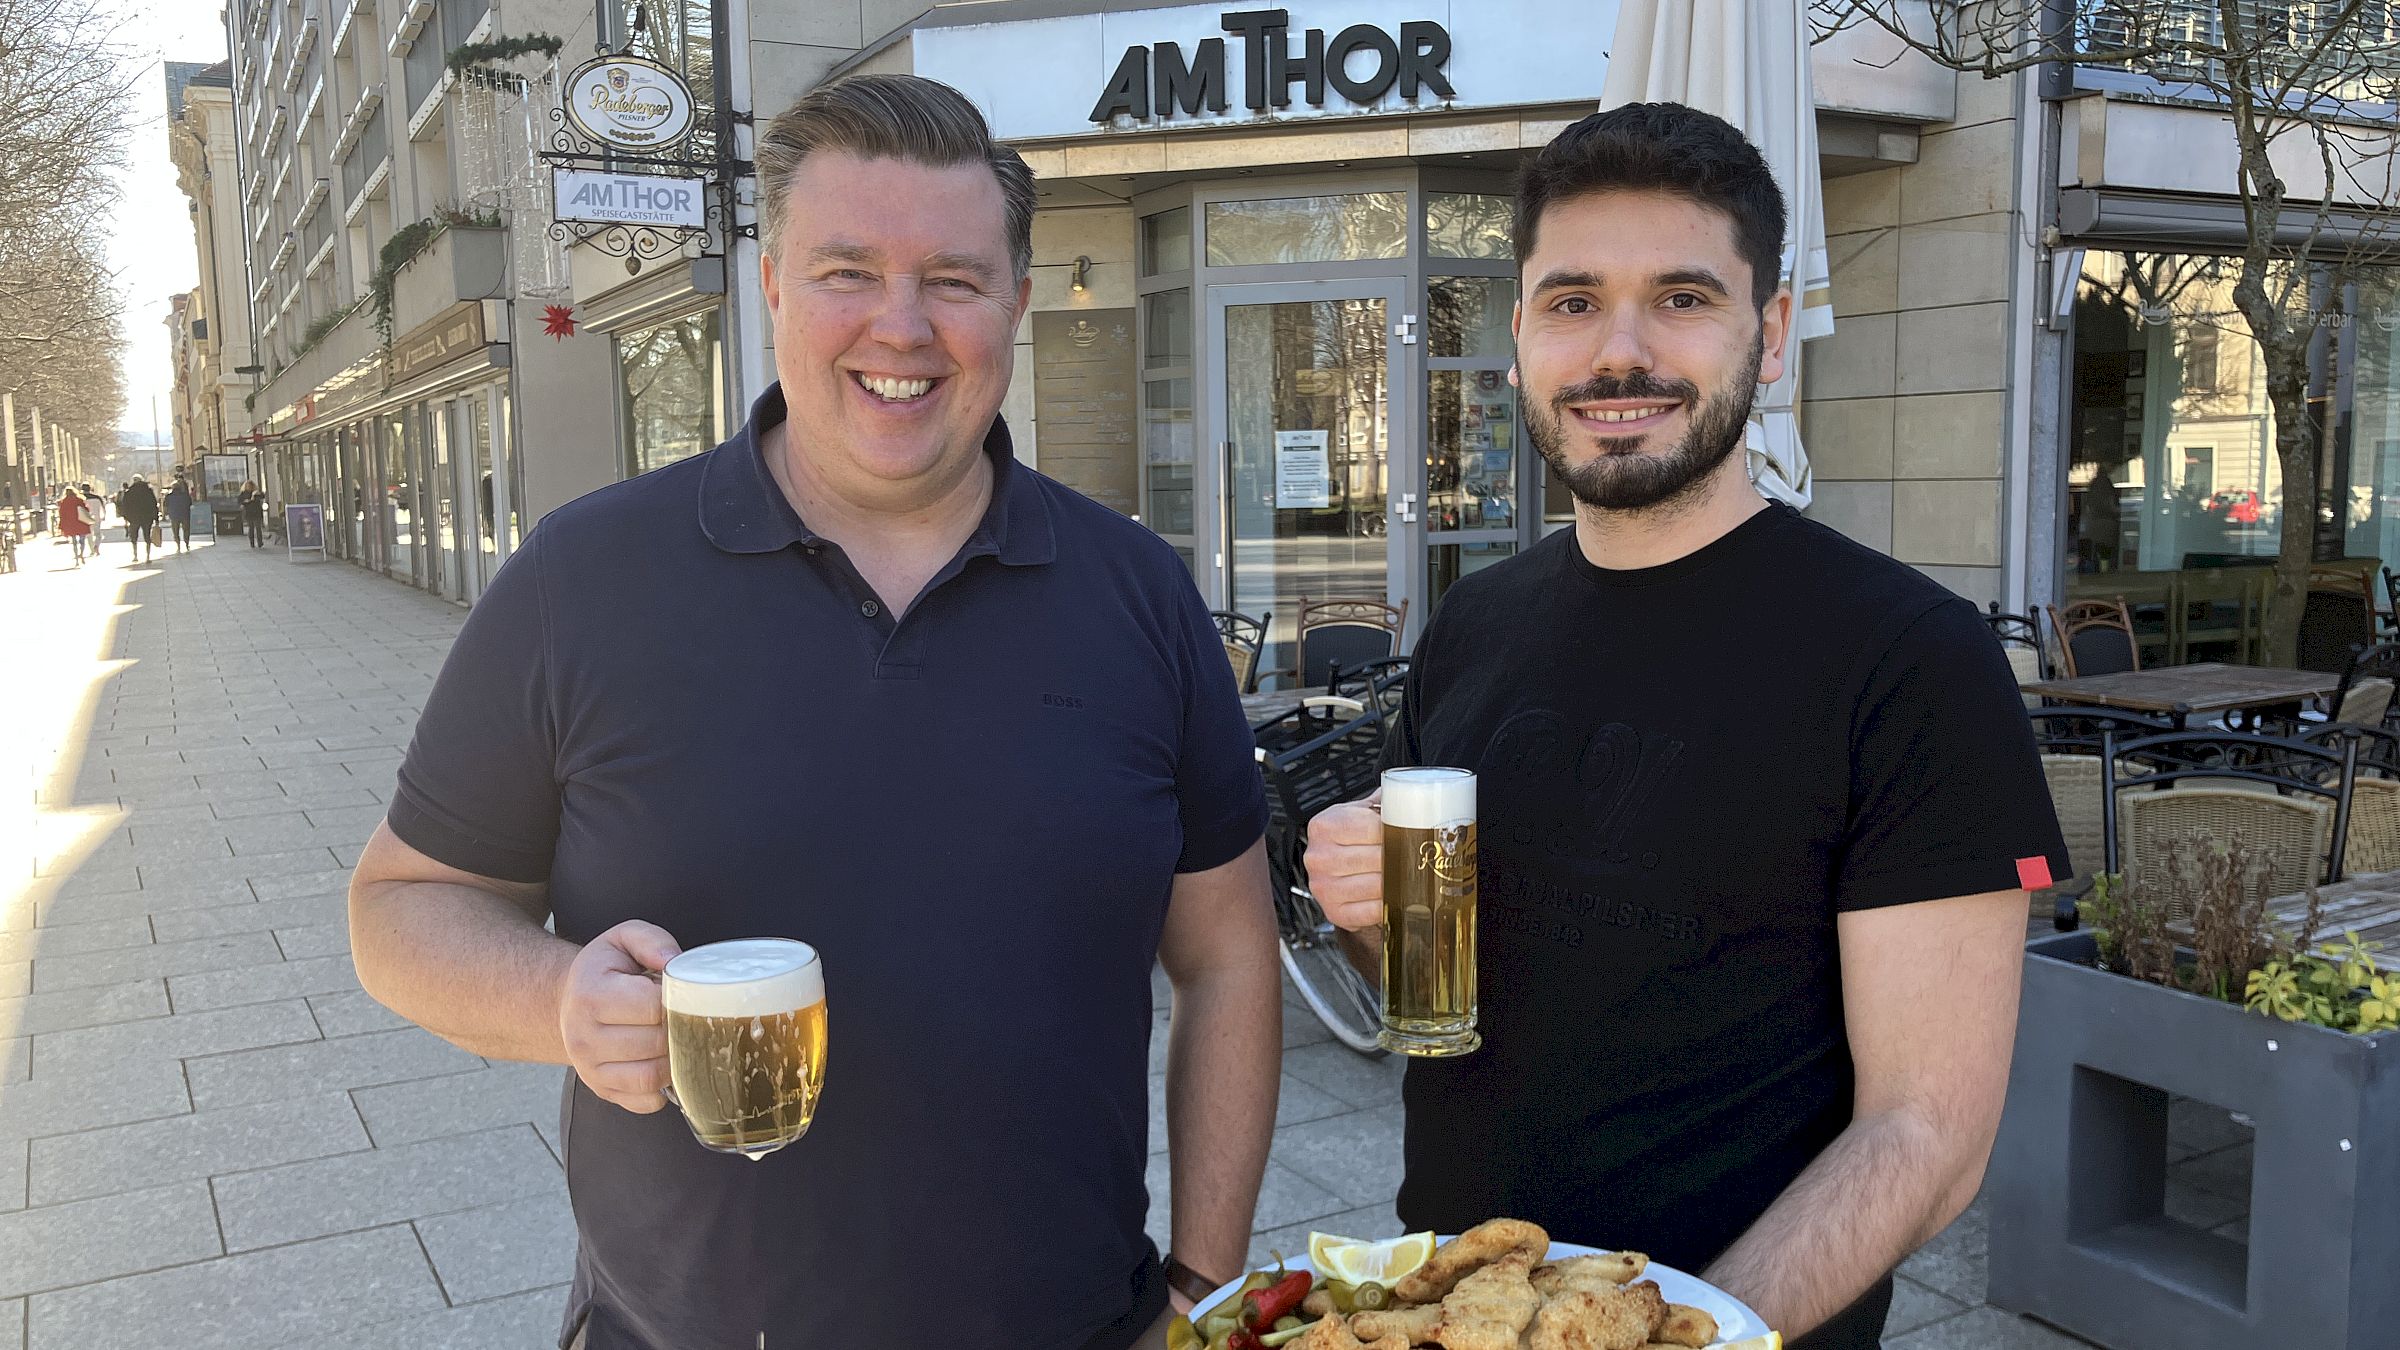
{"type": "Point", "coordinates": [1272, 284]}
{"type": "Point", "coordinates": [216, 365]}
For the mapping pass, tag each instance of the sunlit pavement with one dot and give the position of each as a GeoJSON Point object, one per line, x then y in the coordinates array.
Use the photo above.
{"type": "Point", "coordinates": [210, 1137]}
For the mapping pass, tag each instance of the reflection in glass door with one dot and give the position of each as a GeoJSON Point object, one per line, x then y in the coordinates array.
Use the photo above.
{"type": "Point", "coordinates": [1311, 415]}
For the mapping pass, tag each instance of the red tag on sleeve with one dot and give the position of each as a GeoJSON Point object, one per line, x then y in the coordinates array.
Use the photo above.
{"type": "Point", "coordinates": [2033, 873]}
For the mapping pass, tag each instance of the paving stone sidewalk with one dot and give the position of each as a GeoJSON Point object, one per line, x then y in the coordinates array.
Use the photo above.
{"type": "Point", "coordinates": [211, 1138]}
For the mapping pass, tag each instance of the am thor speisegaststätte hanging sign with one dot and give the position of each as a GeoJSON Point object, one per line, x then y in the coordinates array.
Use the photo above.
{"type": "Point", "coordinates": [629, 103]}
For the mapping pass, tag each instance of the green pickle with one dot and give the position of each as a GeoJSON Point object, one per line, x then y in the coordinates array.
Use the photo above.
{"type": "Point", "coordinates": [1370, 1297]}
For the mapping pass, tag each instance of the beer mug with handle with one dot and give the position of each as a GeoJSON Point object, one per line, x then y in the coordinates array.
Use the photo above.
{"type": "Point", "coordinates": [745, 1042]}
{"type": "Point", "coordinates": [1429, 912]}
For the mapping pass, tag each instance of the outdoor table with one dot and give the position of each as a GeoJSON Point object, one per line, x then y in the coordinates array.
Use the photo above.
{"type": "Point", "coordinates": [1265, 707]}
{"type": "Point", "coordinates": [2367, 904]}
{"type": "Point", "coordinates": [2179, 691]}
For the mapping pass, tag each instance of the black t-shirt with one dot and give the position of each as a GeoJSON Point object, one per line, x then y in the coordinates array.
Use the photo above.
{"type": "Point", "coordinates": [1687, 772]}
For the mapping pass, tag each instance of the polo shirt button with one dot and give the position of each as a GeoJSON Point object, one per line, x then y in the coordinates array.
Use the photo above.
{"type": "Point", "coordinates": [870, 609]}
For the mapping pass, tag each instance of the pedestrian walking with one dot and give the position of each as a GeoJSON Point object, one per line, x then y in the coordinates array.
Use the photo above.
{"type": "Point", "coordinates": [824, 609]}
{"type": "Point", "coordinates": [254, 514]}
{"type": "Point", "coordinates": [95, 514]}
{"type": "Point", "coordinates": [137, 506]}
{"type": "Point", "coordinates": [75, 523]}
{"type": "Point", "coordinates": [1747, 984]}
{"type": "Point", "coordinates": [179, 513]}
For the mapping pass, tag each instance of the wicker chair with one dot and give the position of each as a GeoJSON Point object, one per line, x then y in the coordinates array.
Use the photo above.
{"type": "Point", "coordinates": [2364, 703]}
{"type": "Point", "coordinates": [2286, 797]}
{"type": "Point", "coordinates": [2287, 836]}
{"type": "Point", "coordinates": [1245, 638]}
{"type": "Point", "coordinates": [2075, 795]}
{"type": "Point", "coordinates": [2095, 637]}
{"type": "Point", "coordinates": [2374, 826]}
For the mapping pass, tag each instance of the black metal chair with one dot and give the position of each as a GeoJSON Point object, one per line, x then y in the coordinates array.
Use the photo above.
{"type": "Point", "coordinates": [2378, 662]}
{"type": "Point", "coordinates": [1377, 684]}
{"type": "Point", "coordinates": [1324, 752]}
{"type": "Point", "coordinates": [2095, 637]}
{"type": "Point", "coordinates": [2220, 783]}
{"type": "Point", "coordinates": [1344, 634]}
{"type": "Point", "coordinates": [2067, 730]}
{"type": "Point", "coordinates": [1245, 643]}
{"type": "Point", "coordinates": [2018, 632]}
{"type": "Point", "coordinates": [2391, 596]}
{"type": "Point", "coordinates": [2336, 619]}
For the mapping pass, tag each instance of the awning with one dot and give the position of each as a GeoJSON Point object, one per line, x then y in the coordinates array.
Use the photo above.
{"type": "Point", "coordinates": [1749, 64]}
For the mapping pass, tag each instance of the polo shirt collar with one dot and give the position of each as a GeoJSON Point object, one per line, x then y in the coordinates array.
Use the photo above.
{"type": "Point", "coordinates": [743, 509]}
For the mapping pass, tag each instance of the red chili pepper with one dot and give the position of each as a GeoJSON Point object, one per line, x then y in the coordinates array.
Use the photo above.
{"type": "Point", "coordinates": [1261, 1307]}
{"type": "Point", "coordinates": [1242, 1339]}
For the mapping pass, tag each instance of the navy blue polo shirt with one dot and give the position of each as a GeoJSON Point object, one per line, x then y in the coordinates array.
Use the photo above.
{"type": "Point", "coordinates": [679, 704]}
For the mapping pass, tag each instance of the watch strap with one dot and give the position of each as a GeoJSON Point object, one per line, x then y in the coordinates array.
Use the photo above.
{"type": "Point", "coordinates": [1188, 1282]}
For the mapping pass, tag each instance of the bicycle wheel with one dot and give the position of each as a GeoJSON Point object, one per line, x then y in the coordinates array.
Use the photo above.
{"type": "Point", "coordinates": [1343, 998]}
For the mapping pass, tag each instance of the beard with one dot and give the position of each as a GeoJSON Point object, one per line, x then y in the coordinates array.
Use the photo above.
{"type": "Point", "coordinates": [1623, 478]}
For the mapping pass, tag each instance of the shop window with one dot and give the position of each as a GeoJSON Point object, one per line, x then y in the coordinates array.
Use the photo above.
{"type": "Point", "coordinates": [1469, 225]}
{"type": "Point", "coordinates": [672, 382]}
{"type": "Point", "coordinates": [1471, 451]}
{"type": "Point", "coordinates": [1167, 242]}
{"type": "Point", "coordinates": [1167, 330]}
{"type": "Point", "coordinates": [1308, 229]}
{"type": "Point", "coordinates": [1167, 456]}
{"type": "Point", "coordinates": [1468, 316]}
{"type": "Point", "coordinates": [2171, 440]}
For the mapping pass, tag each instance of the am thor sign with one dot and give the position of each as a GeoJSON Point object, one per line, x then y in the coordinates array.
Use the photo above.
{"type": "Point", "coordinates": [1087, 74]}
{"type": "Point", "coordinates": [626, 199]}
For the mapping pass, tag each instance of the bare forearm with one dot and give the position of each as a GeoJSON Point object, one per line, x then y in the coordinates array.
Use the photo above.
{"type": "Point", "coordinates": [464, 965]}
{"type": "Point", "coordinates": [1224, 1061]}
{"type": "Point", "coordinates": [1878, 1192]}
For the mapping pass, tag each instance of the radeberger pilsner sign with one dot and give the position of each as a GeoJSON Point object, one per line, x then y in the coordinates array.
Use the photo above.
{"type": "Point", "coordinates": [629, 103]}
{"type": "Point", "coordinates": [1362, 63]}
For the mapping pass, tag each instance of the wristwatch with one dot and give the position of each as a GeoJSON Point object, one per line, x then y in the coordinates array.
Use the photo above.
{"type": "Point", "coordinates": [1188, 1282]}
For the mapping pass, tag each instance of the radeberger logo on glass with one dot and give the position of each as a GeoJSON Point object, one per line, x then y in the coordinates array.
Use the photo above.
{"type": "Point", "coordinates": [746, 1042]}
{"type": "Point", "coordinates": [629, 103]}
{"type": "Point", "coordinates": [1429, 912]}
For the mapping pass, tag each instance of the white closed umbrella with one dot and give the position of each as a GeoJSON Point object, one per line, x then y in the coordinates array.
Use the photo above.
{"type": "Point", "coordinates": [1747, 62]}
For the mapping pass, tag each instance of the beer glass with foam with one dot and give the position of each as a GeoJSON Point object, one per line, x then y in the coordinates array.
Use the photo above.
{"type": "Point", "coordinates": [746, 1042]}
{"type": "Point", "coordinates": [1429, 911]}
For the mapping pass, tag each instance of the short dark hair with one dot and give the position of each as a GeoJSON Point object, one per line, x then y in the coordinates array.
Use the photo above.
{"type": "Point", "coordinates": [1662, 147]}
{"type": "Point", "coordinates": [903, 117]}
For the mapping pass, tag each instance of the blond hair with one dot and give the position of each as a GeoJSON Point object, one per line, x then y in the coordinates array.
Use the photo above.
{"type": "Point", "coordinates": [903, 117]}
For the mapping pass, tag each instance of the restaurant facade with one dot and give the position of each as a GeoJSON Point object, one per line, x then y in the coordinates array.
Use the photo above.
{"type": "Point", "coordinates": [1273, 280]}
{"type": "Point", "coordinates": [1272, 283]}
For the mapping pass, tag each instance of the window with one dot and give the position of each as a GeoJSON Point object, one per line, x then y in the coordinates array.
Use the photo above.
{"type": "Point", "coordinates": [673, 382]}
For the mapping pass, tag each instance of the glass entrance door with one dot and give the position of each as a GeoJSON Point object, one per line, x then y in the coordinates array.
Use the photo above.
{"type": "Point", "coordinates": [1319, 485]}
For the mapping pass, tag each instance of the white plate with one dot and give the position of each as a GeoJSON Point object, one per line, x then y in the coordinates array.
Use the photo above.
{"type": "Point", "coordinates": [1735, 1321]}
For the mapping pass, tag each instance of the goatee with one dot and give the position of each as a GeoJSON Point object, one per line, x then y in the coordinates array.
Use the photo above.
{"type": "Point", "coordinates": [1624, 478]}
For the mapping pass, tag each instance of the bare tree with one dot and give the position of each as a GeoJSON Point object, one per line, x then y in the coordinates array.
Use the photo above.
{"type": "Point", "coordinates": [2285, 72]}
{"type": "Point", "coordinates": [65, 87]}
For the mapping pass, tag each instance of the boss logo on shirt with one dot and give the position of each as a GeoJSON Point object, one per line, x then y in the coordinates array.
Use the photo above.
{"type": "Point", "coordinates": [1061, 701]}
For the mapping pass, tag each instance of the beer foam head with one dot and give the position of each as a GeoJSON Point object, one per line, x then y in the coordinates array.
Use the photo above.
{"type": "Point", "coordinates": [1428, 799]}
{"type": "Point", "coordinates": [752, 977]}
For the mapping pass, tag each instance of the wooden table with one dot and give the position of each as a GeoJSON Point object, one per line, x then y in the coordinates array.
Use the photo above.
{"type": "Point", "coordinates": [2367, 904]}
{"type": "Point", "coordinates": [2179, 691]}
{"type": "Point", "coordinates": [1274, 703]}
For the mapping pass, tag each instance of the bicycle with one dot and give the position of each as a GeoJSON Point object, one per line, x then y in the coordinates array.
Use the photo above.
{"type": "Point", "coordinates": [1324, 752]}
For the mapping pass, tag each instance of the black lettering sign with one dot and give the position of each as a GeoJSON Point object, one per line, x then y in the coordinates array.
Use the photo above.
{"type": "Point", "coordinates": [1362, 63]}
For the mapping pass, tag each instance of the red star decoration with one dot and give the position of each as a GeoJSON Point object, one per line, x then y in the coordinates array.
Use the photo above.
{"type": "Point", "coordinates": [558, 321]}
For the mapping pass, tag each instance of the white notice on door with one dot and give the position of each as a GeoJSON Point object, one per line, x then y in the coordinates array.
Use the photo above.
{"type": "Point", "coordinates": [1302, 475]}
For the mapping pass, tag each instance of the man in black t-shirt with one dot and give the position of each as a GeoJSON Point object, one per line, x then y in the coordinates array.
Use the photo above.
{"type": "Point", "coordinates": [1757, 803]}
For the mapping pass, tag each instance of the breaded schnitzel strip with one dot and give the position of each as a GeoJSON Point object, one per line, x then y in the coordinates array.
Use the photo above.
{"type": "Point", "coordinates": [1605, 1270]}
{"type": "Point", "coordinates": [1477, 1247]}
{"type": "Point", "coordinates": [1590, 1319]}
{"type": "Point", "coordinates": [1490, 1308]}
{"type": "Point", "coordinates": [1330, 1333]}
{"type": "Point", "coordinates": [1420, 1326]}
{"type": "Point", "coordinates": [1686, 1325]}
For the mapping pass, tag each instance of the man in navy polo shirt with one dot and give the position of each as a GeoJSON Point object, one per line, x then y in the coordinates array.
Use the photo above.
{"type": "Point", "coordinates": [858, 677]}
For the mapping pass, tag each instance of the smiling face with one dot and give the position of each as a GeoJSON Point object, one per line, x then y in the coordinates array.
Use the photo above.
{"type": "Point", "coordinates": [895, 309]}
{"type": "Point", "coordinates": [1639, 347]}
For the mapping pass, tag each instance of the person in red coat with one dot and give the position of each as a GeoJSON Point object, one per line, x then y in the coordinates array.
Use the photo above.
{"type": "Point", "coordinates": [74, 521]}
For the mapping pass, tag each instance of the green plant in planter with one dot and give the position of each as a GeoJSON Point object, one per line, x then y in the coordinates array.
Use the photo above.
{"type": "Point", "coordinates": [404, 247]}
{"type": "Point", "coordinates": [2337, 987]}
{"type": "Point", "coordinates": [480, 63]}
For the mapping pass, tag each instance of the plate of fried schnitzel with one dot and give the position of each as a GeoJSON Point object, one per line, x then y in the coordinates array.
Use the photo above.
{"type": "Point", "coordinates": [1504, 1285]}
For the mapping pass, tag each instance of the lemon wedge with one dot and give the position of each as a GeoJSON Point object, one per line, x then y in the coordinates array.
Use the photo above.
{"type": "Point", "coordinates": [1356, 1261]}
{"type": "Point", "coordinates": [1773, 1340]}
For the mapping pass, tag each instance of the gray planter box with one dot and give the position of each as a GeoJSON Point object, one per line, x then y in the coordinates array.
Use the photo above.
{"type": "Point", "coordinates": [2077, 1186]}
